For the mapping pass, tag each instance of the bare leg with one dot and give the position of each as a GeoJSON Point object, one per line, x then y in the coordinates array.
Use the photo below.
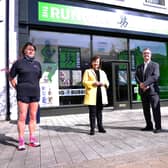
{"type": "Point", "coordinates": [23, 107]}
{"type": "Point", "coordinates": [33, 107]}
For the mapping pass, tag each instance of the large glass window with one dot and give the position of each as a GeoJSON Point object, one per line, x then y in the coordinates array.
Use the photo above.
{"type": "Point", "coordinates": [110, 48]}
{"type": "Point", "coordinates": [159, 55]}
{"type": "Point", "coordinates": [63, 57]}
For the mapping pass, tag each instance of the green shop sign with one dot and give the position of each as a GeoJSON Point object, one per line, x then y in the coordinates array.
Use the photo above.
{"type": "Point", "coordinates": [58, 13]}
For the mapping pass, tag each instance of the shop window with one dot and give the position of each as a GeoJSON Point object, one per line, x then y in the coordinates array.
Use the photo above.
{"type": "Point", "coordinates": [159, 55]}
{"type": "Point", "coordinates": [63, 57]}
{"type": "Point", "coordinates": [155, 2]}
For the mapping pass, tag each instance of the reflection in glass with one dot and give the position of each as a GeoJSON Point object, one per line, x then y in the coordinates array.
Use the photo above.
{"type": "Point", "coordinates": [121, 83]}
{"type": "Point", "coordinates": [110, 48]}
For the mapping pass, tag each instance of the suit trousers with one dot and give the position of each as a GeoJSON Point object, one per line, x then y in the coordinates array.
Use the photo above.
{"type": "Point", "coordinates": [154, 101]}
{"type": "Point", "coordinates": [95, 112]}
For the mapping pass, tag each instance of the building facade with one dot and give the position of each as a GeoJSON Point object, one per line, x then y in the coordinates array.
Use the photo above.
{"type": "Point", "coordinates": [68, 33]}
{"type": "Point", "coordinates": [9, 53]}
{"type": "Point", "coordinates": [3, 59]}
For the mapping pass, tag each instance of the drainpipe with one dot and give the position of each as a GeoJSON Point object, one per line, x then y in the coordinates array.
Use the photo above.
{"type": "Point", "coordinates": [7, 63]}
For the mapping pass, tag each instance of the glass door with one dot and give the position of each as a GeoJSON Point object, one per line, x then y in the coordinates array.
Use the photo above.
{"type": "Point", "coordinates": [121, 94]}
{"type": "Point", "coordinates": [118, 91]}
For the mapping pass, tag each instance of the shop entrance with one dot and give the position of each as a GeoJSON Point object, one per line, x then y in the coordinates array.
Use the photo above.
{"type": "Point", "coordinates": [118, 91]}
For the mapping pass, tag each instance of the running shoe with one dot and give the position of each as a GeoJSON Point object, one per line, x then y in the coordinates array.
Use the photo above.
{"type": "Point", "coordinates": [21, 145]}
{"type": "Point", "coordinates": [34, 142]}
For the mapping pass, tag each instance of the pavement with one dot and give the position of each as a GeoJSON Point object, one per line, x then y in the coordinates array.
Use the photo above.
{"type": "Point", "coordinates": [66, 143]}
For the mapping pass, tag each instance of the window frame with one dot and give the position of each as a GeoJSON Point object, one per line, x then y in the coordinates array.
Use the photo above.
{"type": "Point", "coordinates": [151, 4]}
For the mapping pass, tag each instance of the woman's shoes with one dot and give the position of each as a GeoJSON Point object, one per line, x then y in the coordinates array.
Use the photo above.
{"type": "Point", "coordinates": [92, 132]}
{"type": "Point", "coordinates": [21, 145]}
{"type": "Point", "coordinates": [102, 130]}
{"type": "Point", "coordinates": [34, 142]}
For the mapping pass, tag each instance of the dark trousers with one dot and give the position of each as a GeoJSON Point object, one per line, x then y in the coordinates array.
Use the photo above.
{"type": "Point", "coordinates": [95, 112]}
{"type": "Point", "coordinates": [154, 101]}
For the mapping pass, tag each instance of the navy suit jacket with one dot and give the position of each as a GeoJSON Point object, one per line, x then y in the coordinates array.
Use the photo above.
{"type": "Point", "coordinates": [150, 78]}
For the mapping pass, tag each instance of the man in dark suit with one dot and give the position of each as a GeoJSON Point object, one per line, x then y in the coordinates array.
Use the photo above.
{"type": "Point", "coordinates": [147, 76]}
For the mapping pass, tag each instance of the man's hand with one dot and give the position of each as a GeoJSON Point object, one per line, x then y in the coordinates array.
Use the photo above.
{"type": "Point", "coordinates": [143, 87]}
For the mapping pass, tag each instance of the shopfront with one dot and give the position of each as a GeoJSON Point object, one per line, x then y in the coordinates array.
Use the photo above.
{"type": "Point", "coordinates": [68, 34]}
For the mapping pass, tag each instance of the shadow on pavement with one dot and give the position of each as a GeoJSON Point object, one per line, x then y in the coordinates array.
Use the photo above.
{"type": "Point", "coordinates": [114, 127]}
{"type": "Point", "coordinates": [132, 128]}
{"type": "Point", "coordinates": [6, 140]}
{"type": "Point", "coordinates": [124, 127]}
{"type": "Point", "coordinates": [13, 122]}
{"type": "Point", "coordinates": [64, 129]}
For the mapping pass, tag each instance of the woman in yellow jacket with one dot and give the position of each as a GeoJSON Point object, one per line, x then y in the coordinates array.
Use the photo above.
{"type": "Point", "coordinates": [95, 82]}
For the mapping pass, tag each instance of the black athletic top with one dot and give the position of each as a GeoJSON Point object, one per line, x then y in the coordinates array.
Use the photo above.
{"type": "Point", "coordinates": [29, 73]}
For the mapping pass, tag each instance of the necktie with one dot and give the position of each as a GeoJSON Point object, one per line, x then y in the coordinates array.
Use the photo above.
{"type": "Point", "coordinates": [145, 66]}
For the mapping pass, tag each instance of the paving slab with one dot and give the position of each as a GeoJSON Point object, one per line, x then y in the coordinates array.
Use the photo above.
{"type": "Point", "coordinates": [66, 143]}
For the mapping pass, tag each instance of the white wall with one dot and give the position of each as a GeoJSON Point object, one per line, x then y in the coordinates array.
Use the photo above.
{"type": "Point", "coordinates": [13, 22]}
{"type": "Point", "coordinates": [13, 50]}
{"type": "Point", "coordinates": [2, 62]}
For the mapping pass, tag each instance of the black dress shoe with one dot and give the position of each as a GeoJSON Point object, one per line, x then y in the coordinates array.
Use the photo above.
{"type": "Point", "coordinates": [92, 132]}
{"type": "Point", "coordinates": [157, 130]}
{"type": "Point", "coordinates": [102, 130]}
{"type": "Point", "coordinates": [147, 129]}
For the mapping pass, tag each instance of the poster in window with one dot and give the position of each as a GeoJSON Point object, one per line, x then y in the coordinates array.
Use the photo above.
{"type": "Point", "coordinates": [46, 54]}
{"type": "Point", "coordinates": [69, 58]}
{"type": "Point", "coordinates": [76, 77]}
{"type": "Point", "coordinates": [64, 78]}
{"type": "Point", "coordinates": [49, 85]}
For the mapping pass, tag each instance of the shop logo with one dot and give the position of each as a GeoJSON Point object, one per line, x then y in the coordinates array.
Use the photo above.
{"type": "Point", "coordinates": [58, 13]}
{"type": "Point", "coordinates": [123, 21]}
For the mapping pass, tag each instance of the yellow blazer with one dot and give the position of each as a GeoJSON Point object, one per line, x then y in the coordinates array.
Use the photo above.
{"type": "Point", "coordinates": [89, 77]}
